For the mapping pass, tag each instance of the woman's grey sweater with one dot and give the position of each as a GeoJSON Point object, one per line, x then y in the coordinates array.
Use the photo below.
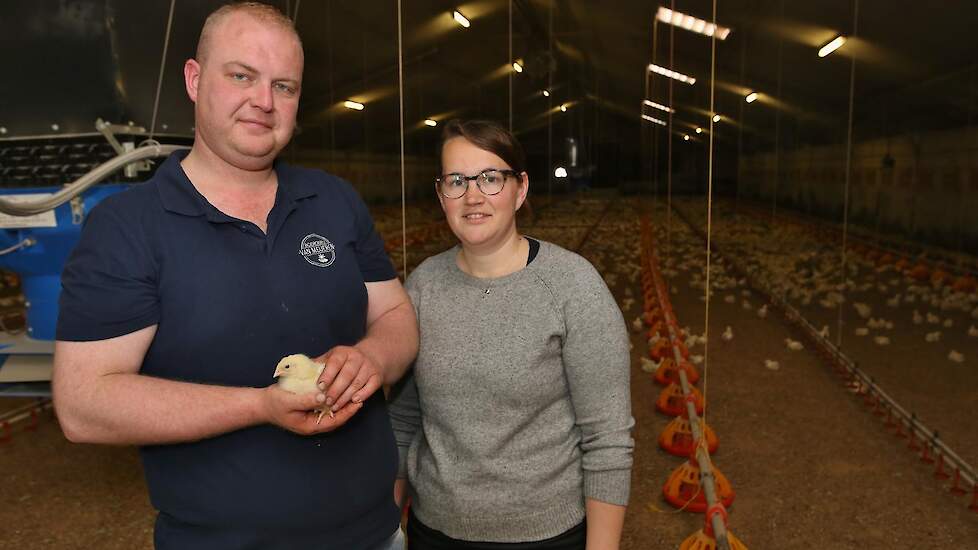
{"type": "Point", "coordinates": [521, 391]}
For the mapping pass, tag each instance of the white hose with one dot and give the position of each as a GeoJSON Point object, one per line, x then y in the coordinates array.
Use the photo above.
{"type": "Point", "coordinates": [80, 185]}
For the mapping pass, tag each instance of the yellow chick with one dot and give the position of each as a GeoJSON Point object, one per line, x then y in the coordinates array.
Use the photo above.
{"type": "Point", "coordinates": [298, 373]}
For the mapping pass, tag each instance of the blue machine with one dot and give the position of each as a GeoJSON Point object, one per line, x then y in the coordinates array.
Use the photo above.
{"type": "Point", "coordinates": [40, 261]}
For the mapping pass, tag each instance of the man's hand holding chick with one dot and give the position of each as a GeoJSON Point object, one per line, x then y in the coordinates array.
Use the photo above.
{"type": "Point", "coordinates": [350, 377]}
{"type": "Point", "coordinates": [297, 402]}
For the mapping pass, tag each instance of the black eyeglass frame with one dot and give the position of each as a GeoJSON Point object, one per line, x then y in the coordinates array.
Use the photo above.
{"type": "Point", "coordinates": [478, 178]}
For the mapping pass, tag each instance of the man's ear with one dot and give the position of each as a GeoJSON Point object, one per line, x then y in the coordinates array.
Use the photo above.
{"type": "Point", "coordinates": [191, 77]}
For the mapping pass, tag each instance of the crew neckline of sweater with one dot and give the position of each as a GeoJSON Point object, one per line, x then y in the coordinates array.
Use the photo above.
{"type": "Point", "coordinates": [486, 285]}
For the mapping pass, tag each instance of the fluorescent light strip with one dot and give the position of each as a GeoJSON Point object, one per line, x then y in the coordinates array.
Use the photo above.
{"type": "Point", "coordinates": [691, 23]}
{"type": "Point", "coordinates": [460, 19]}
{"type": "Point", "coordinates": [658, 106]}
{"type": "Point", "coordinates": [356, 106]}
{"type": "Point", "coordinates": [671, 74]}
{"type": "Point", "coordinates": [835, 44]}
{"type": "Point", "coordinates": [655, 120]}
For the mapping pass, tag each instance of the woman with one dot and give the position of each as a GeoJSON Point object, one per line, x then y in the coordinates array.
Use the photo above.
{"type": "Point", "coordinates": [520, 389]}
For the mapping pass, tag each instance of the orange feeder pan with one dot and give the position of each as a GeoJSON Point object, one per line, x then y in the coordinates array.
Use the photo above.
{"type": "Point", "coordinates": [939, 276]}
{"type": "Point", "coordinates": [661, 350]}
{"type": "Point", "coordinates": [705, 539]}
{"type": "Point", "coordinates": [668, 372]}
{"type": "Point", "coordinates": [965, 283]}
{"type": "Point", "coordinates": [701, 541]}
{"type": "Point", "coordinates": [920, 272]}
{"type": "Point", "coordinates": [672, 402]}
{"type": "Point", "coordinates": [682, 489]}
{"type": "Point", "coordinates": [651, 316]}
{"type": "Point", "coordinates": [677, 438]}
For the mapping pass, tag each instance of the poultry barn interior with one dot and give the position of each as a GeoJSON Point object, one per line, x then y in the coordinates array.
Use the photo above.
{"type": "Point", "coordinates": [780, 195]}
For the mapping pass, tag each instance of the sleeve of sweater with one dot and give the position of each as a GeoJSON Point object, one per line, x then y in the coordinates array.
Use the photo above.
{"type": "Point", "coordinates": [596, 361]}
{"type": "Point", "coordinates": [403, 405]}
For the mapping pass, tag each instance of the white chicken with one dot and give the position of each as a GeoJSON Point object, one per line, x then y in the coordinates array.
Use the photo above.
{"type": "Point", "coordinates": [298, 374]}
{"type": "Point", "coordinates": [794, 345]}
{"type": "Point", "coordinates": [727, 334]}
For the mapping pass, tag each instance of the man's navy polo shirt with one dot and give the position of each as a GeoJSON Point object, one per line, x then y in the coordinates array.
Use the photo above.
{"type": "Point", "coordinates": [229, 302]}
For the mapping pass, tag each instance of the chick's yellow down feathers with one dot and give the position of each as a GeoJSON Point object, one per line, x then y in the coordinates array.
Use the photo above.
{"type": "Point", "coordinates": [299, 374]}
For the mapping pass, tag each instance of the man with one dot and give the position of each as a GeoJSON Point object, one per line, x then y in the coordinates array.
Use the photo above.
{"type": "Point", "coordinates": [184, 293]}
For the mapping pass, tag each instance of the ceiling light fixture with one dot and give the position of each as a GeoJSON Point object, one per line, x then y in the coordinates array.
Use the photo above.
{"type": "Point", "coordinates": [685, 137]}
{"type": "Point", "coordinates": [691, 23]}
{"type": "Point", "coordinates": [835, 44]}
{"type": "Point", "coordinates": [652, 119]}
{"type": "Point", "coordinates": [355, 105]}
{"type": "Point", "coordinates": [563, 108]}
{"type": "Point", "coordinates": [430, 122]}
{"type": "Point", "coordinates": [560, 172]}
{"type": "Point", "coordinates": [658, 106]}
{"type": "Point", "coordinates": [671, 74]}
{"type": "Point", "coordinates": [716, 118]}
{"type": "Point", "coordinates": [460, 19]}
{"type": "Point", "coordinates": [751, 97]}
{"type": "Point", "coordinates": [517, 67]}
{"type": "Point", "coordinates": [546, 93]}
{"type": "Point", "coordinates": [699, 130]}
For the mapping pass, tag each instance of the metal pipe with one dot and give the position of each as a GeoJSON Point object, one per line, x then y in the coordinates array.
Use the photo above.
{"type": "Point", "coordinates": [707, 479]}
{"type": "Point", "coordinates": [82, 184]}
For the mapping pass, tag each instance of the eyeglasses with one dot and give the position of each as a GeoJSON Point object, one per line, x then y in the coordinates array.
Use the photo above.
{"type": "Point", "coordinates": [490, 182]}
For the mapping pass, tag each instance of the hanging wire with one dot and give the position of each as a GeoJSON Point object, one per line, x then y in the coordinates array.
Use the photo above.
{"type": "Point", "coordinates": [672, 28]}
{"type": "Point", "coordinates": [550, 99]}
{"type": "Point", "coordinates": [400, 99]}
{"type": "Point", "coordinates": [740, 125]}
{"type": "Point", "coordinates": [655, 127]}
{"type": "Point", "coordinates": [845, 200]}
{"type": "Point", "coordinates": [295, 13]}
{"type": "Point", "coordinates": [159, 79]}
{"type": "Point", "coordinates": [777, 128]}
{"type": "Point", "coordinates": [709, 212]}
{"type": "Point", "coordinates": [510, 62]}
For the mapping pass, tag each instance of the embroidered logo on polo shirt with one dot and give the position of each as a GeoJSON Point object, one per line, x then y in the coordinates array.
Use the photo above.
{"type": "Point", "coordinates": [317, 250]}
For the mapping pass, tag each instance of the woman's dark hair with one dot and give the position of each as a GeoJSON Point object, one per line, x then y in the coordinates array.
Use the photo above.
{"type": "Point", "coordinates": [488, 136]}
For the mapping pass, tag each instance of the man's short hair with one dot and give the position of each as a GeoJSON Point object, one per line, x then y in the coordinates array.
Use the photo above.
{"type": "Point", "coordinates": [262, 12]}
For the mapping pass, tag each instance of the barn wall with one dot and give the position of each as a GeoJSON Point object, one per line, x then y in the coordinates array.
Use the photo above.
{"type": "Point", "coordinates": [929, 191]}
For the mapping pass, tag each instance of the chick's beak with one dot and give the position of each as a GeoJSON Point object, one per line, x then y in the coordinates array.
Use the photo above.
{"type": "Point", "coordinates": [279, 371]}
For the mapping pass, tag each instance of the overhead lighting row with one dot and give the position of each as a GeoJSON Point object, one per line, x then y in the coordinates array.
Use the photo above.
{"type": "Point", "coordinates": [653, 119]}
{"type": "Point", "coordinates": [691, 23]}
{"type": "Point", "coordinates": [671, 74]}
{"type": "Point", "coordinates": [833, 45]}
{"type": "Point", "coordinates": [658, 106]}
{"type": "Point", "coordinates": [460, 19]}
